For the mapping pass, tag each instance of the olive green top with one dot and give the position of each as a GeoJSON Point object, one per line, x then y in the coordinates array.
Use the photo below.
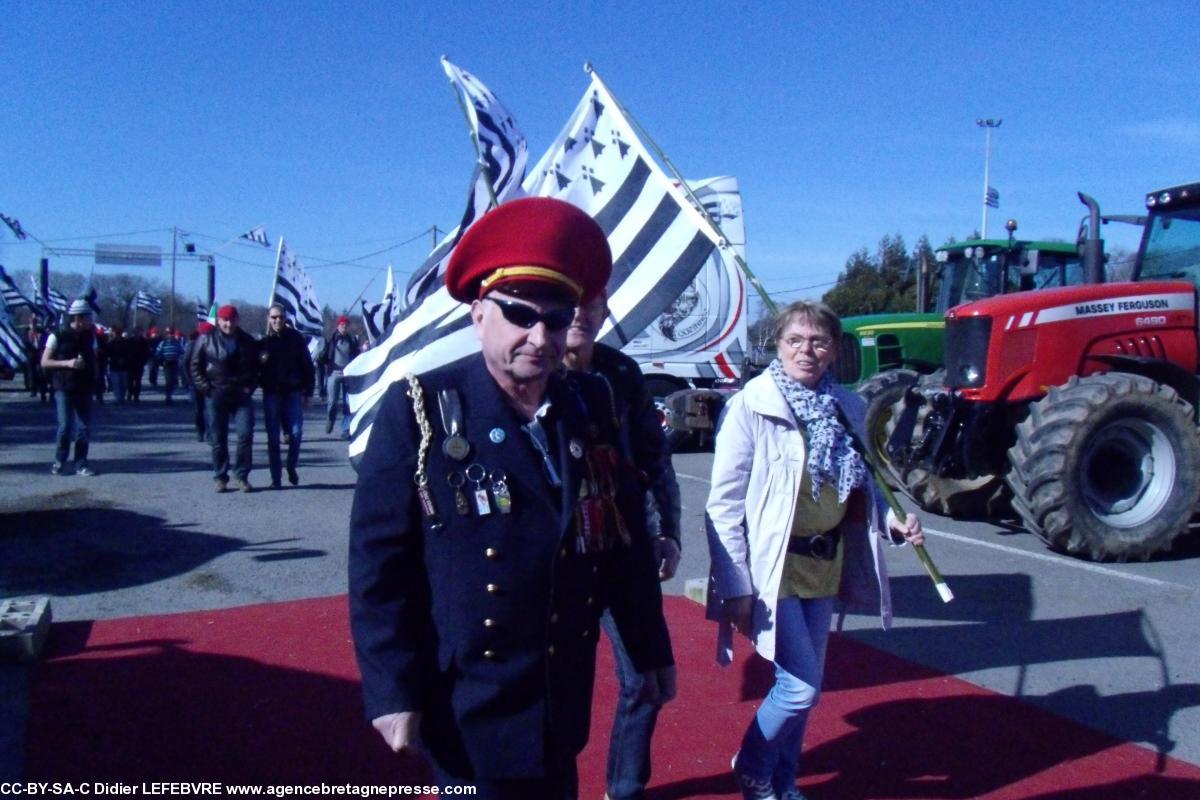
{"type": "Point", "coordinates": [805, 576]}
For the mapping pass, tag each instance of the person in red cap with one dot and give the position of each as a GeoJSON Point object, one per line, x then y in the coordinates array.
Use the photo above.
{"type": "Point", "coordinates": [340, 349]}
{"type": "Point", "coordinates": [493, 523]}
{"type": "Point", "coordinates": [224, 367]}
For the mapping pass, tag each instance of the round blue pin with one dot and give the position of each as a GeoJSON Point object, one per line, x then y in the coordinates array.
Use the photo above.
{"type": "Point", "coordinates": [496, 435]}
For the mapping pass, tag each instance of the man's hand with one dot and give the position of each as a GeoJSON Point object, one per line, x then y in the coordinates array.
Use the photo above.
{"type": "Point", "coordinates": [401, 731]}
{"type": "Point", "coordinates": [666, 556]}
{"type": "Point", "coordinates": [740, 611]}
{"type": "Point", "coordinates": [658, 686]}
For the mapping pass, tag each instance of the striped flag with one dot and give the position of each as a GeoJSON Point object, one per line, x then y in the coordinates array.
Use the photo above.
{"type": "Point", "coordinates": [991, 198]}
{"type": "Point", "coordinates": [258, 235]}
{"type": "Point", "coordinates": [294, 291]}
{"type": "Point", "coordinates": [15, 226]}
{"type": "Point", "coordinates": [502, 154]}
{"type": "Point", "coordinates": [52, 305]}
{"type": "Point", "coordinates": [659, 242]}
{"type": "Point", "coordinates": [12, 346]}
{"type": "Point", "coordinates": [147, 302]}
{"type": "Point", "coordinates": [201, 311]}
{"type": "Point", "coordinates": [14, 298]}
{"type": "Point", "coordinates": [378, 318]}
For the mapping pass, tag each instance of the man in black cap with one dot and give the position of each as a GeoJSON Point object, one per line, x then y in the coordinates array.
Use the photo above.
{"type": "Point", "coordinates": [493, 522]}
{"type": "Point", "coordinates": [70, 362]}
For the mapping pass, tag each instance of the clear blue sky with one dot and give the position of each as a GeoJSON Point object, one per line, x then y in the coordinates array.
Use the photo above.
{"type": "Point", "coordinates": [333, 125]}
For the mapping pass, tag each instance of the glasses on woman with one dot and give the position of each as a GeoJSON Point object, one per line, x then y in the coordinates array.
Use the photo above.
{"type": "Point", "coordinates": [523, 316]}
{"type": "Point", "coordinates": [276, 316]}
{"type": "Point", "coordinates": [819, 344]}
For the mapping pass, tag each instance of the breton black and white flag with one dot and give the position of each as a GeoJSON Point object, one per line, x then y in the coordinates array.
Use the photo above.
{"type": "Point", "coordinates": [502, 155]}
{"type": "Point", "coordinates": [51, 305]}
{"type": "Point", "coordinates": [147, 302]}
{"type": "Point", "coordinates": [201, 311]}
{"type": "Point", "coordinates": [378, 318]}
{"type": "Point", "coordinates": [258, 235]}
{"type": "Point", "coordinates": [12, 346]}
{"type": "Point", "coordinates": [659, 242]}
{"type": "Point", "coordinates": [294, 291]}
{"type": "Point", "coordinates": [15, 226]}
{"type": "Point", "coordinates": [14, 298]}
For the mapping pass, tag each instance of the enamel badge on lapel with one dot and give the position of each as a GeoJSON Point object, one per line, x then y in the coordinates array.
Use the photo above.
{"type": "Point", "coordinates": [576, 448]}
{"type": "Point", "coordinates": [496, 435]}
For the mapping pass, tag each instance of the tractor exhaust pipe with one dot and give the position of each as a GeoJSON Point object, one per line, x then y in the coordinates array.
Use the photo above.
{"type": "Point", "coordinates": [1091, 246]}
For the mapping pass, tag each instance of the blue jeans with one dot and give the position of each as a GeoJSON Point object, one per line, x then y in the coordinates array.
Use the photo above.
{"type": "Point", "coordinates": [118, 381]}
{"type": "Point", "coordinates": [628, 769]}
{"type": "Point", "coordinates": [771, 746]}
{"type": "Point", "coordinates": [241, 411]}
{"type": "Point", "coordinates": [170, 378]}
{"type": "Point", "coordinates": [335, 388]}
{"type": "Point", "coordinates": [74, 411]}
{"type": "Point", "coordinates": [279, 410]}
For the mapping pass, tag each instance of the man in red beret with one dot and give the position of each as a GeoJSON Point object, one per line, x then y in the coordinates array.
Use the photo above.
{"type": "Point", "coordinates": [224, 367]}
{"type": "Point", "coordinates": [493, 523]}
{"type": "Point", "coordinates": [340, 349]}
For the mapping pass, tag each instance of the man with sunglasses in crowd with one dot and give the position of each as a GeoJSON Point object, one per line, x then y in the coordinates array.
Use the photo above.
{"type": "Point", "coordinates": [492, 524]}
{"type": "Point", "coordinates": [287, 380]}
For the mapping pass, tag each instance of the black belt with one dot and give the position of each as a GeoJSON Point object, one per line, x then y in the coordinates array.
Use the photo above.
{"type": "Point", "coordinates": [822, 547]}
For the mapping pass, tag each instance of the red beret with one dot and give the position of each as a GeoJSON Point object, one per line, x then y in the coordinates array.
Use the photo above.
{"type": "Point", "coordinates": [227, 312]}
{"type": "Point", "coordinates": [342, 319]}
{"type": "Point", "coordinates": [534, 239]}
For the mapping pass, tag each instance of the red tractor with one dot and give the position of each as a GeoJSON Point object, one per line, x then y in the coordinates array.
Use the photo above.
{"type": "Point", "coordinates": [1081, 401]}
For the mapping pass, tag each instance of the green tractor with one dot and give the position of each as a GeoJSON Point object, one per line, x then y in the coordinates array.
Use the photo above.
{"type": "Point", "coordinates": [881, 355]}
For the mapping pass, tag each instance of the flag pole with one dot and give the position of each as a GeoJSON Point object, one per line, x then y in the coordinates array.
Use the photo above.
{"type": "Point", "coordinates": [360, 294]}
{"type": "Point", "coordinates": [462, 106]}
{"type": "Point", "coordinates": [715, 228]}
{"type": "Point", "coordinates": [274, 280]}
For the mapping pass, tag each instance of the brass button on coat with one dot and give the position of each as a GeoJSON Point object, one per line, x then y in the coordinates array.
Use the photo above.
{"type": "Point", "coordinates": [489, 623]}
{"type": "Point", "coordinates": [492, 553]}
{"type": "Point", "coordinates": [550, 649]}
{"type": "Point", "coordinates": [493, 588]}
{"type": "Point", "coordinates": [490, 655]}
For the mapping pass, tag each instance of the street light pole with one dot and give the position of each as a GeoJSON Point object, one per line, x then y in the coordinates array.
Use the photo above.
{"type": "Point", "coordinates": [987, 125]}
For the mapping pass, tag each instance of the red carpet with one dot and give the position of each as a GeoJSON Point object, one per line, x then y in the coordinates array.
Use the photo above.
{"type": "Point", "coordinates": [268, 695]}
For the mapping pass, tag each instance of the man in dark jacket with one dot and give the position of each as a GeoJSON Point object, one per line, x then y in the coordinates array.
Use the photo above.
{"type": "Point", "coordinates": [287, 387]}
{"type": "Point", "coordinates": [340, 349]}
{"type": "Point", "coordinates": [644, 450]}
{"type": "Point", "coordinates": [224, 367]}
{"type": "Point", "coordinates": [476, 589]}
{"type": "Point", "coordinates": [70, 362]}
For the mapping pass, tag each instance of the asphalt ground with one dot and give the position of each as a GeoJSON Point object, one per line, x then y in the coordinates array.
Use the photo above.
{"type": "Point", "coordinates": [1113, 646]}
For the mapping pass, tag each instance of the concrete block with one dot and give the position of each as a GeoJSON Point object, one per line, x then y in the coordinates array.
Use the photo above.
{"type": "Point", "coordinates": [24, 625]}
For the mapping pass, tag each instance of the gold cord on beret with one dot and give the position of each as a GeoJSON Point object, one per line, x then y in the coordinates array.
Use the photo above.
{"type": "Point", "coordinates": [530, 272]}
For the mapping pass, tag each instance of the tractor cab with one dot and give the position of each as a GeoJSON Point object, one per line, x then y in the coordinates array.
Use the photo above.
{"type": "Point", "coordinates": [980, 268]}
{"type": "Point", "coordinates": [1170, 248]}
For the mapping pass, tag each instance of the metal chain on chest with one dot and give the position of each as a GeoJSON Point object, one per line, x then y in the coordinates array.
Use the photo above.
{"type": "Point", "coordinates": [421, 477]}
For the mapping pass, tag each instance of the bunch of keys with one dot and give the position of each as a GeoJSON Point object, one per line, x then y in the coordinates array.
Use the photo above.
{"type": "Point", "coordinates": [480, 496]}
{"type": "Point", "coordinates": [476, 475]}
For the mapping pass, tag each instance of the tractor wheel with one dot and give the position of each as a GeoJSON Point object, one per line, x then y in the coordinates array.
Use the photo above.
{"type": "Point", "coordinates": [881, 392]}
{"type": "Point", "coordinates": [1107, 467]}
{"type": "Point", "coordinates": [977, 498]}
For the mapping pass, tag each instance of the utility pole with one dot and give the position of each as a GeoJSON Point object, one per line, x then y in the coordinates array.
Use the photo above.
{"type": "Point", "coordinates": [171, 312]}
{"type": "Point", "coordinates": [987, 125]}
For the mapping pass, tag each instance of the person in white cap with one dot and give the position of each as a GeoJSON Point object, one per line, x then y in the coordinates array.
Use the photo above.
{"type": "Point", "coordinates": [70, 361]}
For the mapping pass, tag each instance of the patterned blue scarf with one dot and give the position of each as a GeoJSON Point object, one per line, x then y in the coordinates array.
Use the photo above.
{"type": "Point", "coordinates": [831, 457]}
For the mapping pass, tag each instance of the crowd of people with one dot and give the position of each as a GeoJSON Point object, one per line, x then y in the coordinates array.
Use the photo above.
{"type": "Point", "coordinates": [220, 366]}
{"type": "Point", "coordinates": [513, 505]}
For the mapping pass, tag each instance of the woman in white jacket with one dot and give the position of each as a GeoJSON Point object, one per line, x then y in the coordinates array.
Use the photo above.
{"type": "Point", "coordinates": [794, 522]}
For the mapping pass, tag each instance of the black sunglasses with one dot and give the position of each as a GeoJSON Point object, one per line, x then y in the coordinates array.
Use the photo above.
{"type": "Point", "coordinates": [524, 316]}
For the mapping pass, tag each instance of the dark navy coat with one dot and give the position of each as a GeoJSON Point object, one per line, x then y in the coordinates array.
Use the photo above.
{"type": "Point", "coordinates": [488, 625]}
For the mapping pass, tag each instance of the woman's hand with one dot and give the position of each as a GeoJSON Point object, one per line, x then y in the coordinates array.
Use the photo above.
{"type": "Point", "coordinates": [910, 528]}
{"type": "Point", "coordinates": [740, 611]}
